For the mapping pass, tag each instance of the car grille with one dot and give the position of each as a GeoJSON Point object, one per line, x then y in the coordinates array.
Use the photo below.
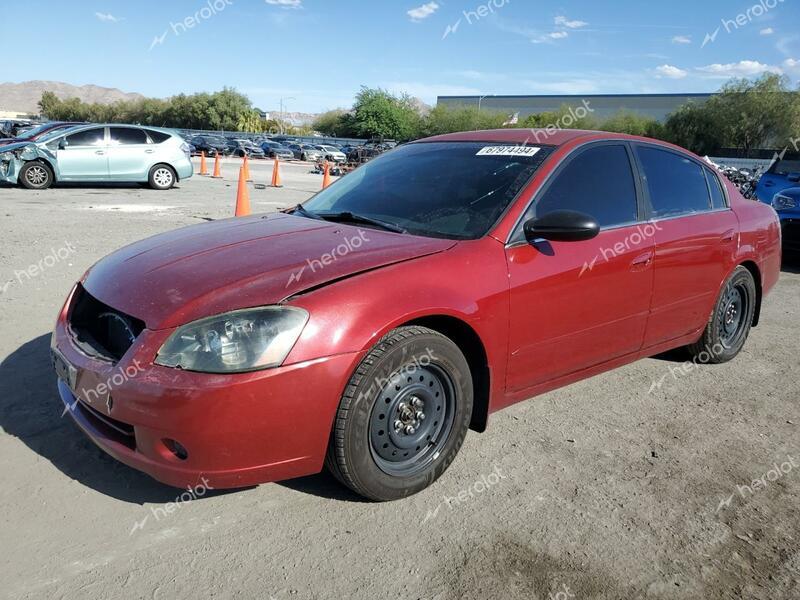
{"type": "Point", "coordinates": [120, 432]}
{"type": "Point", "coordinates": [101, 330]}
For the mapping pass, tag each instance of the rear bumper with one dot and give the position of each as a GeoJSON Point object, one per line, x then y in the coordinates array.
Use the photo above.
{"type": "Point", "coordinates": [237, 430]}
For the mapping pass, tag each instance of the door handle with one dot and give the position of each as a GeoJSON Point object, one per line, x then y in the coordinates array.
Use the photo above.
{"type": "Point", "coordinates": [728, 235]}
{"type": "Point", "coordinates": [642, 261]}
{"type": "Point", "coordinates": [99, 152]}
{"type": "Point", "coordinates": [149, 151]}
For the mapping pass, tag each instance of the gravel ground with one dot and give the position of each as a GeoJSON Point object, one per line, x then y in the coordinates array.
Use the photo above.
{"type": "Point", "coordinates": [634, 484]}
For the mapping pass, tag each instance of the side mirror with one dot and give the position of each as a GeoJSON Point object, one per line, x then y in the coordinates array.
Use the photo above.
{"type": "Point", "coordinates": [62, 144]}
{"type": "Point", "coordinates": [561, 226]}
{"type": "Point", "coordinates": [793, 177]}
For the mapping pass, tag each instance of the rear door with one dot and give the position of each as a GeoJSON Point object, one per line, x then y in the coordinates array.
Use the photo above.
{"type": "Point", "coordinates": [129, 154]}
{"type": "Point", "coordinates": [696, 240]}
{"type": "Point", "coordinates": [83, 155]}
{"type": "Point", "coordinates": [579, 304]}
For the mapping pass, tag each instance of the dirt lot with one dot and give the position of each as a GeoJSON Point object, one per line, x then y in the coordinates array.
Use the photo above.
{"type": "Point", "coordinates": [633, 484]}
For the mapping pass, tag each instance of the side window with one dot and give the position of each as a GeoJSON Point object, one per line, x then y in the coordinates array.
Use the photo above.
{"type": "Point", "coordinates": [125, 136]}
{"type": "Point", "coordinates": [598, 182]}
{"type": "Point", "coordinates": [158, 136]}
{"type": "Point", "coordinates": [677, 185]}
{"type": "Point", "coordinates": [717, 195]}
{"type": "Point", "coordinates": [87, 137]}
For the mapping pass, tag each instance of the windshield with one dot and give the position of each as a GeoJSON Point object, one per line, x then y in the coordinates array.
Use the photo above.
{"type": "Point", "coordinates": [786, 167]}
{"type": "Point", "coordinates": [55, 133]}
{"type": "Point", "coordinates": [455, 190]}
{"type": "Point", "coordinates": [36, 130]}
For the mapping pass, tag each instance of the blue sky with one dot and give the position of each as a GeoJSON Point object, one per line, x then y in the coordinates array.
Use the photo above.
{"type": "Point", "coordinates": [317, 53]}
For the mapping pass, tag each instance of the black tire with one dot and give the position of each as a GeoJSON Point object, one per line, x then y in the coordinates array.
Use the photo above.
{"type": "Point", "coordinates": [36, 175]}
{"type": "Point", "coordinates": [424, 361]}
{"type": "Point", "coordinates": [162, 177]}
{"type": "Point", "coordinates": [730, 322]}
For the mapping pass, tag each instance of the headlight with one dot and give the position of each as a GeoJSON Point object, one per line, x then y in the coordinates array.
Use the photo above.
{"type": "Point", "coordinates": [781, 202]}
{"type": "Point", "coordinates": [235, 342]}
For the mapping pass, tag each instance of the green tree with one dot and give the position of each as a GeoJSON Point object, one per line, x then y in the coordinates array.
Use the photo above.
{"type": "Point", "coordinates": [695, 127]}
{"type": "Point", "coordinates": [445, 119]}
{"type": "Point", "coordinates": [378, 113]}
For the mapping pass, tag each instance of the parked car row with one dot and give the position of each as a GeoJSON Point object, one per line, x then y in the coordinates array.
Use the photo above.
{"type": "Point", "coordinates": [96, 153]}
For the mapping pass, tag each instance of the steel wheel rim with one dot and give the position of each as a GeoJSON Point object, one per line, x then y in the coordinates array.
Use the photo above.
{"type": "Point", "coordinates": [163, 177]}
{"type": "Point", "coordinates": [733, 311]}
{"type": "Point", "coordinates": [36, 175]}
{"type": "Point", "coordinates": [411, 419]}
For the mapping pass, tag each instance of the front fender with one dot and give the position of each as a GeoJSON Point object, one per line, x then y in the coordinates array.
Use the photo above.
{"type": "Point", "coordinates": [468, 282]}
{"type": "Point", "coordinates": [14, 156]}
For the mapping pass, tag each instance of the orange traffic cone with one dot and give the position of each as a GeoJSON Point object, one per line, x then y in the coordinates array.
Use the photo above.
{"type": "Point", "coordinates": [326, 177]}
{"type": "Point", "coordinates": [276, 174]}
{"type": "Point", "coordinates": [216, 174]}
{"type": "Point", "coordinates": [203, 165]}
{"type": "Point", "coordinates": [246, 166]}
{"type": "Point", "coordinates": [242, 196]}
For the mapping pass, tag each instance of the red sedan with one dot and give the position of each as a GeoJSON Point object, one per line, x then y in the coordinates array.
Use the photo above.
{"type": "Point", "coordinates": [369, 328]}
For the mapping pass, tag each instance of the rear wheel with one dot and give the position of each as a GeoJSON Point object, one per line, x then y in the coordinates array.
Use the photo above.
{"type": "Point", "coordinates": [162, 177]}
{"type": "Point", "coordinates": [36, 175]}
{"type": "Point", "coordinates": [730, 322]}
{"type": "Point", "coordinates": [403, 416]}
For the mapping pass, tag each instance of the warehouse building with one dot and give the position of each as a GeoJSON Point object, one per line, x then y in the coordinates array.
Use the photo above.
{"type": "Point", "coordinates": [603, 106]}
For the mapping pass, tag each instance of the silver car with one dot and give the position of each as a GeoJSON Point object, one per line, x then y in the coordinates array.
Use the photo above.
{"type": "Point", "coordinates": [98, 153]}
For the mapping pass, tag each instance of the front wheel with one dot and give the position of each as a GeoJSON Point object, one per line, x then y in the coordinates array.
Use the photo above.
{"type": "Point", "coordinates": [162, 177]}
{"type": "Point", "coordinates": [730, 322]}
{"type": "Point", "coordinates": [36, 175]}
{"type": "Point", "coordinates": [404, 415]}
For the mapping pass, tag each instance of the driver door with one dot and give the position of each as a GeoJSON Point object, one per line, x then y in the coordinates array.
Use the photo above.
{"type": "Point", "coordinates": [83, 155]}
{"type": "Point", "coordinates": [579, 304]}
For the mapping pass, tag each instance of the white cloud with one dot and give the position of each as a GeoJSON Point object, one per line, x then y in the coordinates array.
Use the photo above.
{"type": "Point", "coordinates": [767, 31]}
{"type": "Point", "coordinates": [562, 21]}
{"type": "Point", "coordinates": [792, 64]}
{"type": "Point", "coordinates": [286, 3]}
{"type": "Point", "coordinates": [107, 17]}
{"type": "Point", "coordinates": [671, 72]}
{"type": "Point", "coordinates": [549, 37]}
{"type": "Point", "coordinates": [744, 68]}
{"type": "Point", "coordinates": [682, 39]}
{"type": "Point", "coordinates": [423, 12]}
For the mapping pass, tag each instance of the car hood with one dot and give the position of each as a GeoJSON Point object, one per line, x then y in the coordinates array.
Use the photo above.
{"type": "Point", "coordinates": [207, 269]}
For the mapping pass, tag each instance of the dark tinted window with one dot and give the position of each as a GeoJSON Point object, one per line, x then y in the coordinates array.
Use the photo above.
{"type": "Point", "coordinates": [87, 137]}
{"type": "Point", "coordinates": [127, 136]}
{"type": "Point", "coordinates": [717, 195]}
{"type": "Point", "coordinates": [785, 167]}
{"type": "Point", "coordinates": [158, 136]}
{"type": "Point", "coordinates": [598, 182]}
{"type": "Point", "coordinates": [676, 184]}
{"type": "Point", "coordinates": [442, 189]}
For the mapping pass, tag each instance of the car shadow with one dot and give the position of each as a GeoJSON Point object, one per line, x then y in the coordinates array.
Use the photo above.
{"type": "Point", "coordinates": [31, 410]}
{"type": "Point", "coordinates": [791, 263]}
{"type": "Point", "coordinates": [323, 485]}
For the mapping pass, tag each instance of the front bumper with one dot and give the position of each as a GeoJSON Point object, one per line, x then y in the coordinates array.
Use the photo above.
{"type": "Point", "coordinates": [236, 430]}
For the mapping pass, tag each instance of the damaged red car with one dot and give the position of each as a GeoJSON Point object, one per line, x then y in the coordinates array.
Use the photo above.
{"type": "Point", "coordinates": [368, 329]}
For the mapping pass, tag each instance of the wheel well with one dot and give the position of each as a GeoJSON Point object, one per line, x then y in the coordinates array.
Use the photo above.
{"type": "Point", "coordinates": [756, 273]}
{"type": "Point", "coordinates": [471, 345]}
{"type": "Point", "coordinates": [46, 162]}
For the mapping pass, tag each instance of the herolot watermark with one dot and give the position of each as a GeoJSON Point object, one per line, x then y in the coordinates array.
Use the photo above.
{"type": "Point", "coordinates": [482, 485]}
{"type": "Point", "coordinates": [742, 19]}
{"type": "Point", "coordinates": [210, 9]}
{"type": "Point", "coordinates": [631, 241]}
{"type": "Point", "coordinates": [416, 363]}
{"type": "Point", "coordinates": [48, 261]}
{"type": "Point", "coordinates": [191, 493]}
{"type": "Point", "coordinates": [102, 391]}
{"type": "Point", "coordinates": [776, 472]}
{"type": "Point", "coordinates": [564, 122]}
{"type": "Point", "coordinates": [473, 16]}
{"type": "Point", "coordinates": [348, 245]}
{"type": "Point", "coordinates": [688, 367]}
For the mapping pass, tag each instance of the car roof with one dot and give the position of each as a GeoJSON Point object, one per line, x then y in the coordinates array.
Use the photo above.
{"type": "Point", "coordinates": [547, 137]}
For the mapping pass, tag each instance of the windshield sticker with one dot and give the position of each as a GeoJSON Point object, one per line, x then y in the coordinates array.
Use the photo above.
{"type": "Point", "coordinates": [508, 151]}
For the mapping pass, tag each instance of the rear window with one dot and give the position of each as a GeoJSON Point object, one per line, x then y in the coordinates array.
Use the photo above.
{"type": "Point", "coordinates": [123, 136]}
{"type": "Point", "coordinates": [455, 190]}
{"type": "Point", "coordinates": [676, 185]}
{"type": "Point", "coordinates": [717, 194]}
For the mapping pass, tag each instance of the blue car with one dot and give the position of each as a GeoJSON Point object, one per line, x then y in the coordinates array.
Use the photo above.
{"type": "Point", "coordinates": [98, 153]}
{"type": "Point", "coordinates": [787, 204]}
{"type": "Point", "coordinates": [781, 175]}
